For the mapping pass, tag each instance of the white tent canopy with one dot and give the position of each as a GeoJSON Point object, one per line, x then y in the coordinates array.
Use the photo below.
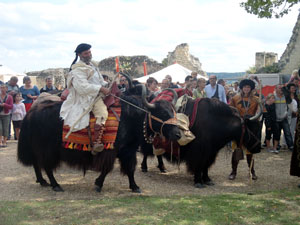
{"type": "Point", "coordinates": [176, 71]}
{"type": "Point", "coordinates": [6, 73]}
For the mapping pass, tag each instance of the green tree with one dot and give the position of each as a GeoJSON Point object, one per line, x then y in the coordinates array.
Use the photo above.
{"type": "Point", "coordinates": [269, 8]}
{"type": "Point", "coordinates": [165, 62]}
{"type": "Point", "coordinates": [251, 70]}
{"type": "Point", "coordinates": [274, 68]}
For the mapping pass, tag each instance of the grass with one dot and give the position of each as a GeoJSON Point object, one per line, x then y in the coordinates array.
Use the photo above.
{"type": "Point", "coordinates": [279, 207]}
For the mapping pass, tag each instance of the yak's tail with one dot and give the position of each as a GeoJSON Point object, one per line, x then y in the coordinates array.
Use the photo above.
{"type": "Point", "coordinates": [25, 153]}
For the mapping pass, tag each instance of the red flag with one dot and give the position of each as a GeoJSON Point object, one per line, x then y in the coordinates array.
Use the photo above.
{"type": "Point", "coordinates": [267, 89]}
{"type": "Point", "coordinates": [117, 65]}
{"type": "Point", "coordinates": [145, 68]}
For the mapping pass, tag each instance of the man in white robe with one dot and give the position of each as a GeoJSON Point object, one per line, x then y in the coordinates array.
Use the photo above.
{"type": "Point", "coordinates": [85, 83]}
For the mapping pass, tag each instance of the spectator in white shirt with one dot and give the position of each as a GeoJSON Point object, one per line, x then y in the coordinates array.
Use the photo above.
{"type": "Point", "coordinates": [214, 90]}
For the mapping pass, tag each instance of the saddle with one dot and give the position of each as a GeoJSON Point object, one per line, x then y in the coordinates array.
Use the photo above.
{"type": "Point", "coordinates": [82, 140]}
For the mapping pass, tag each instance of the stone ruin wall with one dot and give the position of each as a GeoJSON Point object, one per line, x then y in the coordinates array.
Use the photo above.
{"type": "Point", "coordinates": [133, 65]}
{"type": "Point", "coordinates": [263, 59]}
{"type": "Point", "coordinates": [182, 56]}
{"type": "Point", "coordinates": [38, 77]}
{"type": "Point", "coordinates": [290, 59]}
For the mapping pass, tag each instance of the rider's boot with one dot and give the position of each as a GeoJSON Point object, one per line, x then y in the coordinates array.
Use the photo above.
{"type": "Point", "coordinates": [97, 145]}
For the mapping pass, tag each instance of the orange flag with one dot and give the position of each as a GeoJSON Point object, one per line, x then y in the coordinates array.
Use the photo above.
{"type": "Point", "coordinates": [145, 68]}
{"type": "Point", "coordinates": [117, 65]}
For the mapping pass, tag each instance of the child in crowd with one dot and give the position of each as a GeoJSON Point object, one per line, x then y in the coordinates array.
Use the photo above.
{"type": "Point", "coordinates": [270, 122]}
{"type": "Point", "coordinates": [18, 113]}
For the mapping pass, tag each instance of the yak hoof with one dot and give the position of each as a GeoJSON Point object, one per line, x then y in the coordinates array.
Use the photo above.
{"type": "Point", "coordinates": [58, 189]}
{"type": "Point", "coordinates": [136, 190]}
{"type": "Point", "coordinates": [43, 183]}
{"type": "Point", "coordinates": [144, 170]}
{"type": "Point", "coordinates": [98, 189]}
{"type": "Point", "coordinates": [209, 183]}
{"type": "Point", "coordinates": [199, 185]}
{"type": "Point", "coordinates": [162, 169]}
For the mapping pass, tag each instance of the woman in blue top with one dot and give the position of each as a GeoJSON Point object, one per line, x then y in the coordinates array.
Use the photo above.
{"type": "Point", "coordinates": [29, 92]}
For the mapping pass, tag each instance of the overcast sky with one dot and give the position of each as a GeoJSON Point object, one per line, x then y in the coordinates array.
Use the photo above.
{"type": "Point", "coordinates": [36, 35]}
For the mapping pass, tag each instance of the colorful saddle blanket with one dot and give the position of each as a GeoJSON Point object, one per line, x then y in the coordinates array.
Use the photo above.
{"type": "Point", "coordinates": [80, 140]}
{"type": "Point", "coordinates": [168, 95]}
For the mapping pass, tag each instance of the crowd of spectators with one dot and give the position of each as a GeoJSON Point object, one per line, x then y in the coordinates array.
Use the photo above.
{"type": "Point", "coordinates": [15, 101]}
{"type": "Point", "coordinates": [279, 114]}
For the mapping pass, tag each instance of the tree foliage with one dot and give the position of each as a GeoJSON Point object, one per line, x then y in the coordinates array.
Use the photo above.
{"type": "Point", "coordinates": [269, 8]}
{"type": "Point", "coordinates": [251, 70]}
{"type": "Point", "coordinates": [165, 62]}
{"type": "Point", "coordinates": [274, 68]}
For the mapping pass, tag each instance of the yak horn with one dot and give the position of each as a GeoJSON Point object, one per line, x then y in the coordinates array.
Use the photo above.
{"type": "Point", "coordinates": [144, 97]}
{"type": "Point", "coordinates": [258, 114]}
{"type": "Point", "coordinates": [175, 96]}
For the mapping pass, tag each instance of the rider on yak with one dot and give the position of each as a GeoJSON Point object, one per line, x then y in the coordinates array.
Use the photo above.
{"type": "Point", "coordinates": [85, 83]}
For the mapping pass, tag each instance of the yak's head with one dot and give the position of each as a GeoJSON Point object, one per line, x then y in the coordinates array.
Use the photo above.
{"type": "Point", "coordinates": [162, 116]}
{"type": "Point", "coordinates": [251, 132]}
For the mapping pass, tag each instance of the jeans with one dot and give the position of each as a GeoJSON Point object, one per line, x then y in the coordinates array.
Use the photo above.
{"type": "Point", "coordinates": [9, 129]}
{"type": "Point", "coordinates": [284, 124]}
{"type": "Point", "coordinates": [293, 127]}
{"type": "Point", "coordinates": [4, 125]}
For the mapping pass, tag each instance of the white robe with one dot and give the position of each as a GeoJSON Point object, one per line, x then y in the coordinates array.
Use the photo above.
{"type": "Point", "coordinates": [84, 83]}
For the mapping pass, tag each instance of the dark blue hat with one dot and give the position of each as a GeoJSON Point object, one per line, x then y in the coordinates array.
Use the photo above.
{"type": "Point", "coordinates": [82, 47]}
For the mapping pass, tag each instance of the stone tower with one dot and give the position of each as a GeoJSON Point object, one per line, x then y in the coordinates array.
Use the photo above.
{"type": "Point", "coordinates": [263, 59]}
{"type": "Point", "coordinates": [290, 59]}
{"type": "Point", "coordinates": [182, 56]}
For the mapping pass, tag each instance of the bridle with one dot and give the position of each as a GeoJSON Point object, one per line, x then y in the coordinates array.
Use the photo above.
{"type": "Point", "coordinates": [171, 121]}
{"type": "Point", "coordinates": [148, 139]}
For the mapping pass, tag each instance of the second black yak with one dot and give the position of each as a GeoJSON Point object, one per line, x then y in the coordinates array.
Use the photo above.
{"type": "Point", "coordinates": [215, 125]}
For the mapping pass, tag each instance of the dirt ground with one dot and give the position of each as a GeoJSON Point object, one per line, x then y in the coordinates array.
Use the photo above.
{"type": "Point", "coordinates": [18, 182]}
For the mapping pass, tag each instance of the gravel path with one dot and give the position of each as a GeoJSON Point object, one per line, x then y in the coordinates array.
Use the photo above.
{"type": "Point", "coordinates": [18, 182]}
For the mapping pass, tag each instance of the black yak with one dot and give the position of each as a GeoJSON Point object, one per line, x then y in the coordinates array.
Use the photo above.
{"type": "Point", "coordinates": [40, 143]}
{"type": "Point", "coordinates": [215, 125]}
